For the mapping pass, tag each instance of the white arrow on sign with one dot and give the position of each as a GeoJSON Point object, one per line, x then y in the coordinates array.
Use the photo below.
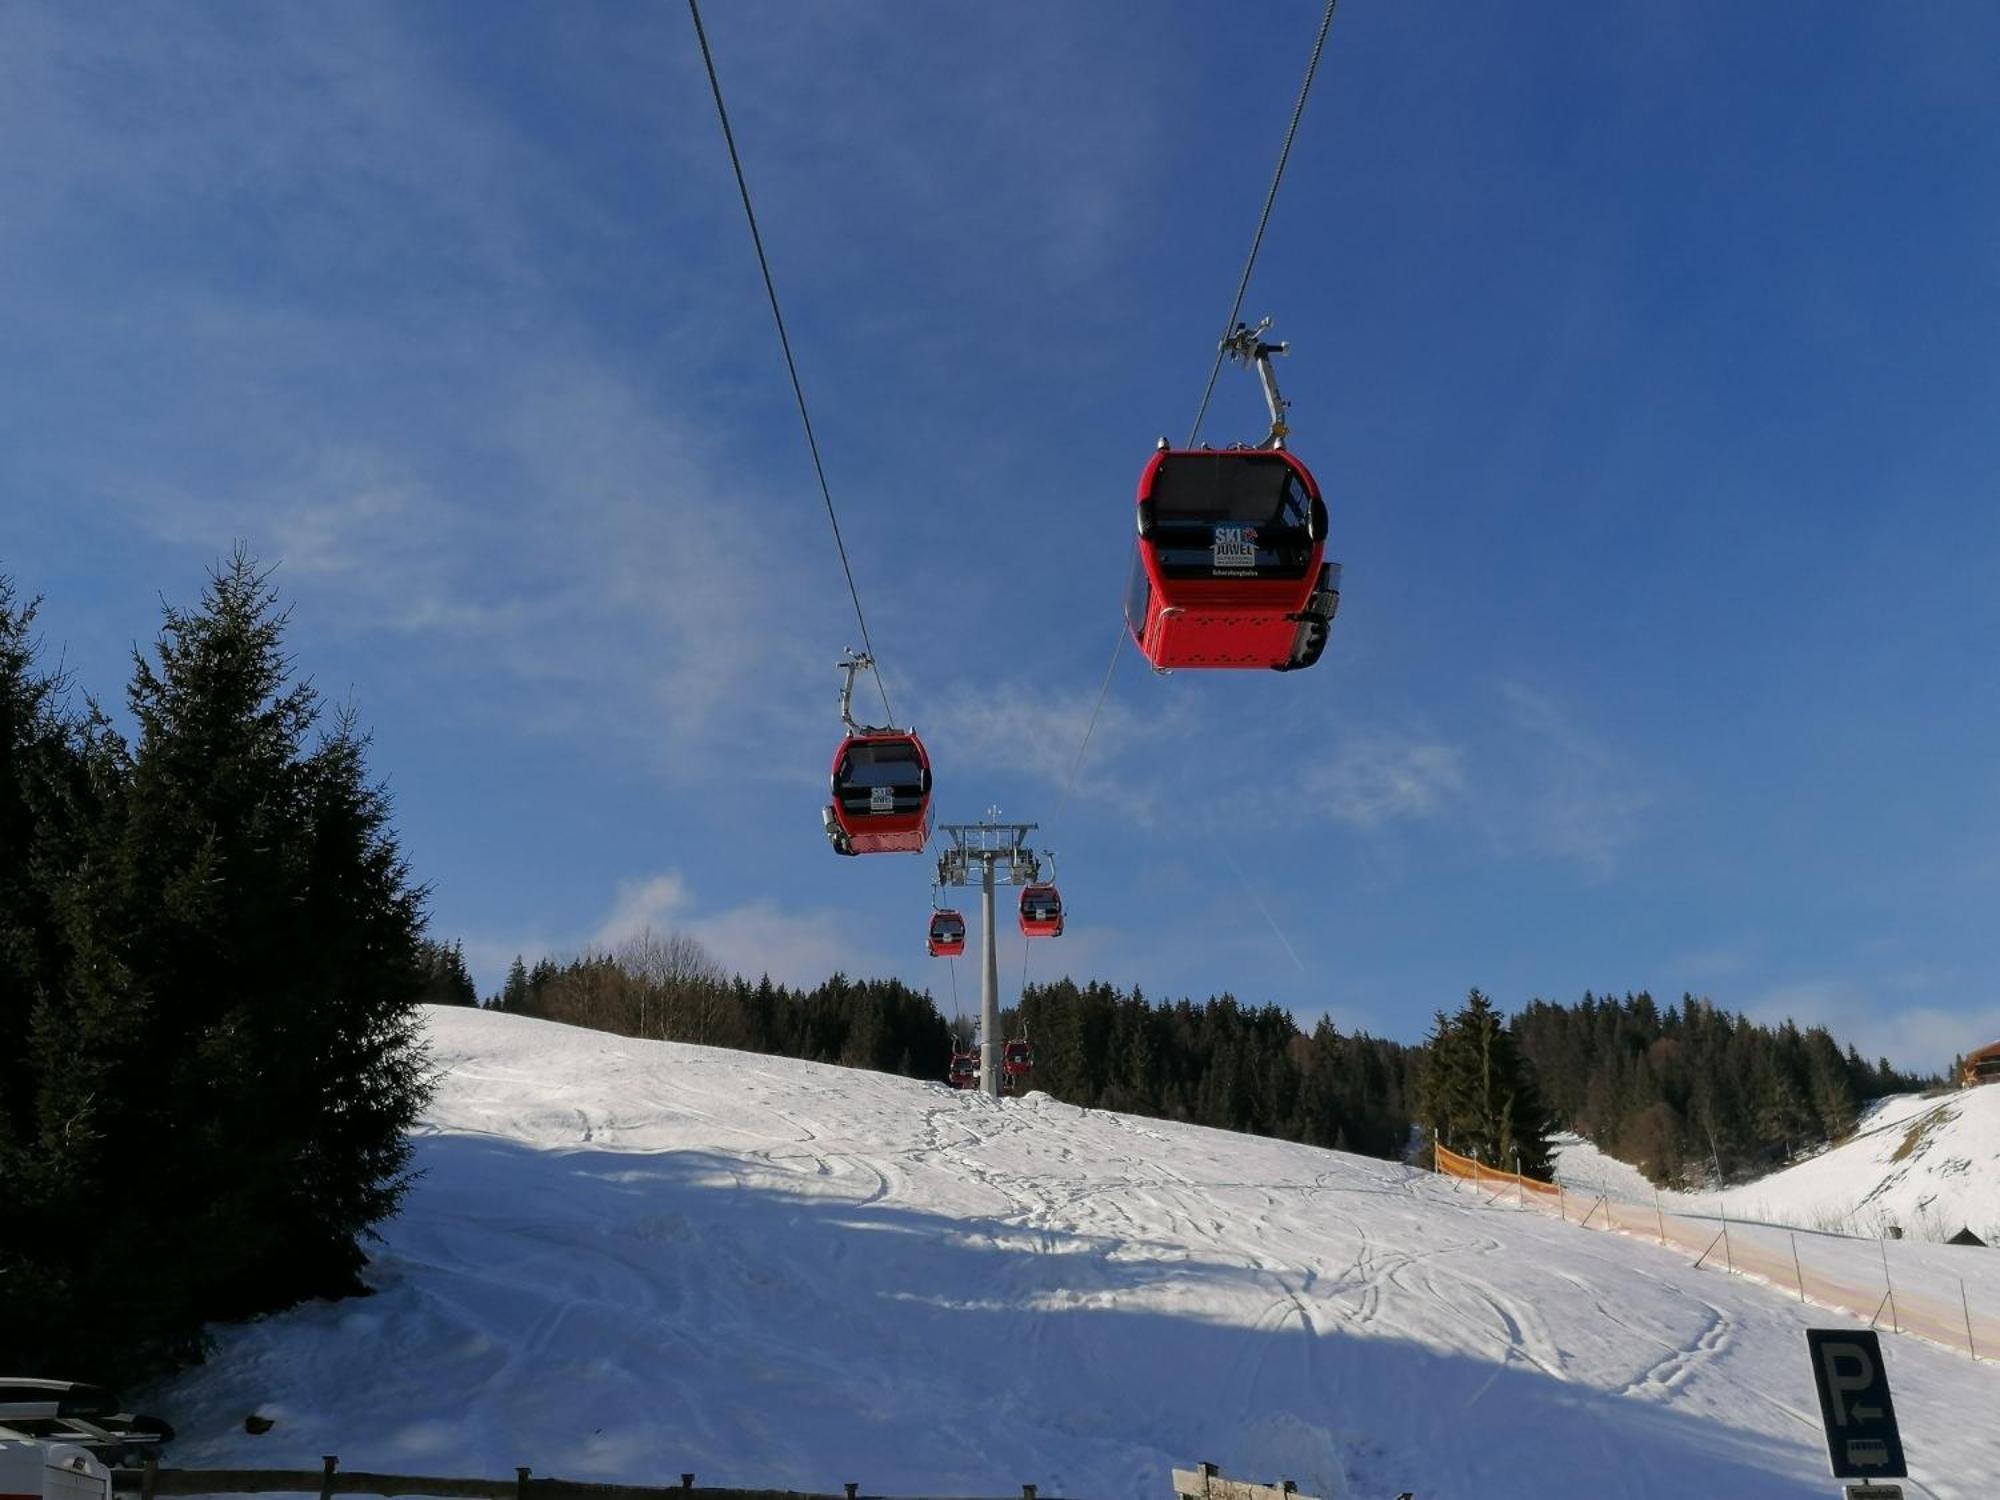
{"type": "Point", "coordinates": [1832, 1355]}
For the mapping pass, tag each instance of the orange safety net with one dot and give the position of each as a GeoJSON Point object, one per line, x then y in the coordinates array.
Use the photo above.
{"type": "Point", "coordinates": [1712, 1246]}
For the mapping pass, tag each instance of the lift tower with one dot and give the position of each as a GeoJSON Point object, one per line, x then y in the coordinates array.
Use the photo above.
{"type": "Point", "coordinates": [981, 853]}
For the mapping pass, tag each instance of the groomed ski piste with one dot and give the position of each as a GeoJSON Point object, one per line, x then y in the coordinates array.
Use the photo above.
{"type": "Point", "coordinates": [627, 1259]}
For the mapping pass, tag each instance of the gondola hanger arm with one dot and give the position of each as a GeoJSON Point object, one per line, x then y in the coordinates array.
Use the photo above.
{"type": "Point", "coordinates": [1248, 347]}
{"type": "Point", "coordinates": [850, 663]}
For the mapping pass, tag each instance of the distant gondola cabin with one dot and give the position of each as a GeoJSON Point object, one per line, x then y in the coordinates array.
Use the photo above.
{"type": "Point", "coordinates": [1041, 912]}
{"type": "Point", "coordinates": [946, 938]}
{"type": "Point", "coordinates": [1980, 1067]}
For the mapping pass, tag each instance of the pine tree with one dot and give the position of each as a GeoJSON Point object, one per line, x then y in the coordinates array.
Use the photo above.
{"type": "Point", "coordinates": [1444, 1094]}
{"type": "Point", "coordinates": [1479, 1096]}
{"type": "Point", "coordinates": [30, 958]}
{"type": "Point", "coordinates": [51, 1141]}
{"type": "Point", "coordinates": [1320, 1094]}
{"type": "Point", "coordinates": [514, 993]}
{"type": "Point", "coordinates": [213, 941]}
{"type": "Point", "coordinates": [274, 934]}
{"type": "Point", "coordinates": [1829, 1087]}
{"type": "Point", "coordinates": [444, 979]}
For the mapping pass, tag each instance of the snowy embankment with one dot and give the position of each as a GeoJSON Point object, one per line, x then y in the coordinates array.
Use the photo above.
{"type": "Point", "coordinates": [1928, 1165]}
{"type": "Point", "coordinates": [628, 1259]}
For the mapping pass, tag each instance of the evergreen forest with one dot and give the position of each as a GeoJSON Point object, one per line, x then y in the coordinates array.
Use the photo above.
{"type": "Point", "coordinates": [1219, 1063]}
{"type": "Point", "coordinates": [1691, 1094]}
{"type": "Point", "coordinates": [211, 953]}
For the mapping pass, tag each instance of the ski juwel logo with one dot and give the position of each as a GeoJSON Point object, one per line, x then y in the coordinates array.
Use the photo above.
{"type": "Point", "coordinates": [1235, 546]}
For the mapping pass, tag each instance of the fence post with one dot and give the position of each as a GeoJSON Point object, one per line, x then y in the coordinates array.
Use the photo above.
{"type": "Point", "coordinates": [1610, 1222]}
{"type": "Point", "coordinates": [1562, 1203]}
{"type": "Point", "coordinates": [1709, 1251]}
{"type": "Point", "coordinates": [1659, 1213]}
{"type": "Point", "coordinates": [1970, 1347]}
{"type": "Point", "coordinates": [1797, 1269]}
{"type": "Point", "coordinates": [520, 1482]}
{"type": "Point", "coordinates": [1520, 1184]}
{"type": "Point", "coordinates": [1875, 1316]}
{"type": "Point", "coordinates": [329, 1462]}
{"type": "Point", "coordinates": [1727, 1258]}
{"type": "Point", "coordinates": [1890, 1287]}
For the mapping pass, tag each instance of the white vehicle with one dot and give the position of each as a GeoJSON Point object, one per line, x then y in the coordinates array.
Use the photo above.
{"type": "Point", "coordinates": [51, 1471]}
{"type": "Point", "coordinates": [85, 1417]}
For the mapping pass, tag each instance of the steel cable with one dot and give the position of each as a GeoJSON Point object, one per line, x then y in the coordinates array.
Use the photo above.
{"type": "Point", "coordinates": [1235, 311]}
{"type": "Point", "coordinates": [1090, 728]}
{"type": "Point", "coordinates": [1263, 219]}
{"type": "Point", "coordinates": [791, 366]}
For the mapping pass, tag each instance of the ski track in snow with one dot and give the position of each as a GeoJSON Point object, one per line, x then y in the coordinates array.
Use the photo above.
{"type": "Point", "coordinates": [627, 1260]}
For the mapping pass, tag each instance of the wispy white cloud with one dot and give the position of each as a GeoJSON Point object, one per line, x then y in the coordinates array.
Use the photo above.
{"type": "Point", "coordinates": [1530, 780]}
{"type": "Point", "coordinates": [347, 522]}
{"type": "Point", "coordinates": [464, 452]}
{"type": "Point", "coordinates": [795, 946]}
{"type": "Point", "coordinates": [1375, 779]}
{"type": "Point", "coordinates": [1575, 797]}
{"type": "Point", "coordinates": [1921, 1034]}
{"type": "Point", "coordinates": [1024, 728]}
{"type": "Point", "coordinates": [450, 455]}
{"type": "Point", "coordinates": [167, 114]}
{"type": "Point", "coordinates": [658, 903]}
{"type": "Point", "coordinates": [752, 938]}
{"type": "Point", "coordinates": [620, 590]}
{"type": "Point", "coordinates": [1696, 967]}
{"type": "Point", "coordinates": [1061, 160]}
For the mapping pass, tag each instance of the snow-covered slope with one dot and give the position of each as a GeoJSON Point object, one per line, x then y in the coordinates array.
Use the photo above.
{"type": "Point", "coordinates": [1929, 1166]}
{"type": "Point", "coordinates": [629, 1259]}
{"type": "Point", "coordinates": [1581, 1167]}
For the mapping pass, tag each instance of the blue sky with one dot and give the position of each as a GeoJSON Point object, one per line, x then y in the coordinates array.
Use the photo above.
{"type": "Point", "coordinates": [1647, 356]}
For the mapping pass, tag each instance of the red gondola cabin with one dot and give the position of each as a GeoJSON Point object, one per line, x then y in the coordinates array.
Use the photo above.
{"type": "Point", "coordinates": [964, 1072]}
{"type": "Point", "coordinates": [947, 934]}
{"type": "Point", "coordinates": [1041, 912]}
{"type": "Point", "coordinates": [1017, 1061]}
{"type": "Point", "coordinates": [1230, 570]}
{"type": "Point", "coordinates": [881, 795]}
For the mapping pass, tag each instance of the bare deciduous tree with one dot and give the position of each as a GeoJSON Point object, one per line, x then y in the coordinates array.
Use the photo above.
{"type": "Point", "coordinates": [681, 989]}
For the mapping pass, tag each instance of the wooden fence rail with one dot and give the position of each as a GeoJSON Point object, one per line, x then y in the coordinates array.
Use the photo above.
{"type": "Point", "coordinates": [331, 1479]}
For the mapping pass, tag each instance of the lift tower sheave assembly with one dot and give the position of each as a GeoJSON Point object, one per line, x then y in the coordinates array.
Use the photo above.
{"type": "Point", "coordinates": [981, 854]}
